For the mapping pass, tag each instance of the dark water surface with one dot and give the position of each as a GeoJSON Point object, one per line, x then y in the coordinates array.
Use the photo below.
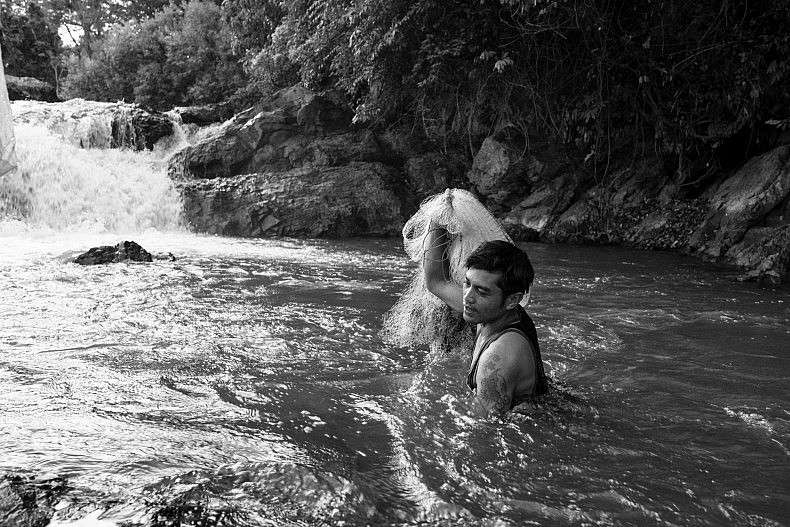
{"type": "Point", "coordinates": [245, 384]}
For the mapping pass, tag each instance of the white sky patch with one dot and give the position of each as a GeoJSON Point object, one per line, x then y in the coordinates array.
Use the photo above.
{"type": "Point", "coordinates": [68, 33]}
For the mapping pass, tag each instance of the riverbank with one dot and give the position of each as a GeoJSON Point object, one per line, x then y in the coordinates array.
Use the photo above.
{"type": "Point", "coordinates": [296, 165]}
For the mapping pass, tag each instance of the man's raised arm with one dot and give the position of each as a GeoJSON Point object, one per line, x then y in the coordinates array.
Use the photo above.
{"type": "Point", "coordinates": [437, 269]}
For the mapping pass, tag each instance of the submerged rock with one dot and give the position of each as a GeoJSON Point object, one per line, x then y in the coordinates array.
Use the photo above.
{"type": "Point", "coordinates": [126, 251]}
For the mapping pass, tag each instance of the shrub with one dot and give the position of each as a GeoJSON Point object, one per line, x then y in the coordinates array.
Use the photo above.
{"type": "Point", "coordinates": [181, 56]}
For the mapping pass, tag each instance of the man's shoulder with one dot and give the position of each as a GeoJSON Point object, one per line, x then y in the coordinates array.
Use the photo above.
{"type": "Point", "coordinates": [511, 345]}
{"type": "Point", "coordinates": [514, 338]}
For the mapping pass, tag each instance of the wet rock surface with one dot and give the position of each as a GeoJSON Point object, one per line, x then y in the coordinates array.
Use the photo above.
{"type": "Point", "coordinates": [761, 186]}
{"type": "Point", "coordinates": [28, 501]}
{"type": "Point", "coordinates": [359, 199]}
{"type": "Point", "coordinates": [125, 251]}
{"type": "Point", "coordinates": [295, 165]}
{"type": "Point", "coordinates": [204, 114]}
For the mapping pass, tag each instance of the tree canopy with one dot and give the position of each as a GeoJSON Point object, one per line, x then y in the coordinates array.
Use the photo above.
{"type": "Point", "coordinates": [690, 81]}
{"type": "Point", "coordinates": [31, 45]}
{"type": "Point", "coordinates": [685, 78]}
{"type": "Point", "coordinates": [180, 56]}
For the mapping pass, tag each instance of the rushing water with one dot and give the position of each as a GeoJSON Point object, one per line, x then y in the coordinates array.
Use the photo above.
{"type": "Point", "coordinates": [245, 384]}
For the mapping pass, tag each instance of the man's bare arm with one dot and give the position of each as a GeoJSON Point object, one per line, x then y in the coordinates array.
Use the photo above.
{"type": "Point", "coordinates": [497, 375]}
{"type": "Point", "coordinates": [437, 269]}
{"type": "Point", "coordinates": [494, 395]}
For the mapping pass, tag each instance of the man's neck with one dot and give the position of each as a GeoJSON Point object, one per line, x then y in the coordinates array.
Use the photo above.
{"type": "Point", "coordinates": [489, 328]}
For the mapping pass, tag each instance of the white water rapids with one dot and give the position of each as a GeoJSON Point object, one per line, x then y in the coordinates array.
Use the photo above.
{"type": "Point", "coordinates": [245, 383]}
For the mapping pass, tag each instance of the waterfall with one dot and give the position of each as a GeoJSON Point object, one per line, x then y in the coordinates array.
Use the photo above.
{"type": "Point", "coordinates": [68, 180]}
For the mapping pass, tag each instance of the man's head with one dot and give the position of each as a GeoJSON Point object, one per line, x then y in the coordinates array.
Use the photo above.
{"type": "Point", "coordinates": [503, 257]}
{"type": "Point", "coordinates": [498, 274]}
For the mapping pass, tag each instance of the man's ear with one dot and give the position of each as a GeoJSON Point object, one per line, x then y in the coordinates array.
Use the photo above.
{"type": "Point", "coordinates": [513, 300]}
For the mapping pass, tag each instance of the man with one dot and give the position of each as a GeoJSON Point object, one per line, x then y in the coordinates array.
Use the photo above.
{"type": "Point", "coordinates": [506, 366]}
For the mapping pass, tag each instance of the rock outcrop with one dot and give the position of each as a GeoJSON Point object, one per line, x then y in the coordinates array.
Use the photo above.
{"type": "Point", "coordinates": [28, 88]}
{"type": "Point", "coordinates": [126, 251]}
{"type": "Point", "coordinates": [294, 165]}
{"type": "Point", "coordinates": [359, 199]}
{"type": "Point", "coordinates": [204, 114]}
{"type": "Point", "coordinates": [743, 201]}
{"type": "Point", "coordinates": [744, 221]}
{"type": "Point", "coordinates": [305, 129]}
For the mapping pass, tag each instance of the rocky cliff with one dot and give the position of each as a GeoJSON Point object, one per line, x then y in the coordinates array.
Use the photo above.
{"type": "Point", "coordinates": [295, 165]}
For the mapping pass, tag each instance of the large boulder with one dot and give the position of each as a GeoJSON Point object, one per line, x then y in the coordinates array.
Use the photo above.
{"type": "Point", "coordinates": [126, 251]}
{"type": "Point", "coordinates": [532, 216]}
{"type": "Point", "coordinates": [505, 174]}
{"type": "Point", "coordinates": [765, 252]}
{"type": "Point", "coordinates": [305, 129]}
{"type": "Point", "coordinates": [433, 172]}
{"type": "Point", "coordinates": [358, 199]}
{"type": "Point", "coordinates": [228, 151]}
{"type": "Point", "coordinates": [139, 129]}
{"type": "Point", "coordinates": [203, 115]}
{"type": "Point", "coordinates": [28, 88]}
{"type": "Point", "coordinates": [500, 173]}
{"type": "Point", "coordinates": [743, 201]}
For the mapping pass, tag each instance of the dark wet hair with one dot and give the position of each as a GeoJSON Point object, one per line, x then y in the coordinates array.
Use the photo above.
{"type": "Point", "coordinates": [499, 256]}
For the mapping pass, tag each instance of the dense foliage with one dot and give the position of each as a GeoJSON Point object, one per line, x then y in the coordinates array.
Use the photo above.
{"type": "Point", "coordinates": [30, 45]}
{"type": "Point", "coordinates": [688, 80]}
{"type": "Point", "coordinates": [702, 84]}
{"type": "Point", "coordinates": [181, 56]}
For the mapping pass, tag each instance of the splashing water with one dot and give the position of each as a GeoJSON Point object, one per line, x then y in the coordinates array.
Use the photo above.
{"type": "Point", "coordinates": [86, 124]}
{"type": "Point", "coordinates": [245, 384]}
{"type": "Point", "coordinates": [59, 186]}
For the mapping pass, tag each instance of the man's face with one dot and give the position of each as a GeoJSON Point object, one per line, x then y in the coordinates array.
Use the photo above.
{"type": "Point", "coordinates": [484, 301]}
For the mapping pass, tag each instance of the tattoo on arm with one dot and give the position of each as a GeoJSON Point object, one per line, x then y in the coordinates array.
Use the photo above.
{"type": "Point", "coordinates": [493, 393]}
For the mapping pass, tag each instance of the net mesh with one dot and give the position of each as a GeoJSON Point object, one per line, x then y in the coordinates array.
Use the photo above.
{"type": "Point", "coordinates": [419, 317]}
{"type": "Point", "coordinates": [7, 158]}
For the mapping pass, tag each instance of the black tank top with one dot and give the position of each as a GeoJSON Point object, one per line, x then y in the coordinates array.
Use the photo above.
{"type": "Point", "coordinates": [526, 327]}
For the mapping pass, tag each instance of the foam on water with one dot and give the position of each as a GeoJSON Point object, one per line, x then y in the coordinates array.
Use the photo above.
{"type": "Point", "coordinates": [244, 384]}
{"type": "Point", "coordinates": [63, 188]}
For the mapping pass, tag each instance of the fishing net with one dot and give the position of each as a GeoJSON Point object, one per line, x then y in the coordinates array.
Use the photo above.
{"type": "Point", "coordinates": [7, 159]}
{"type": "Point", "coordinates": [419, 317]}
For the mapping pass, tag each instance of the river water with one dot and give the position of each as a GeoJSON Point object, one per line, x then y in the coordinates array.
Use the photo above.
{"type": "Point", "coordinates": [245, 384]}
